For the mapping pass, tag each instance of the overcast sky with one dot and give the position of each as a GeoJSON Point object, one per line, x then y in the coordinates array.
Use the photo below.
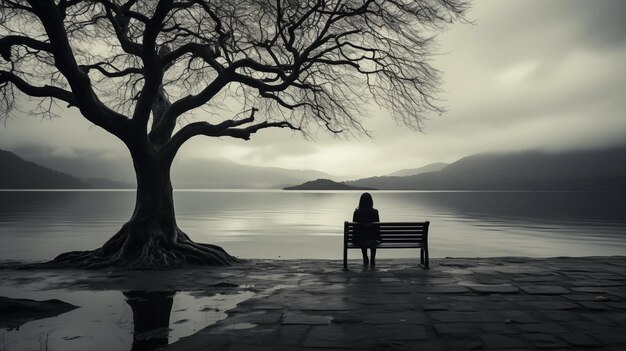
{"type": "Point", "coordinates": [528, 74]}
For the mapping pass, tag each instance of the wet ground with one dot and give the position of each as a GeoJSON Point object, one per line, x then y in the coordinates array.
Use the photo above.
{"type": "Point", "coordinates": [491, 303]}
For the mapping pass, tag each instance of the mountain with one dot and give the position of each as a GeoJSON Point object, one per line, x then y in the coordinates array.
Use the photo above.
{"type": "Point", "coordinates": [187, 173]}
{"type": "Point", "coordinates": [325, 184]}
{"type": "Point", "coordinates": [433, 167]}
{"type": "Point", "coordinates": [19, 174]}
{"type": "Point", "coordinates": [226, 174]}
{"type": "Point", "coordinates": [528, 170]}
{"type": "Point", "coordinates": [114, 174]}
{"type": "Point", "coordinates": [84, 164]}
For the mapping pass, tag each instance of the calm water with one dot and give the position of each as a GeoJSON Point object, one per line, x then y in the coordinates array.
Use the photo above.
{"type": "Point", "coordinates": [278, 224]}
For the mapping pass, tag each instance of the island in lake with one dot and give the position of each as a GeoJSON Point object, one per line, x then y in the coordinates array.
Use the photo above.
{"type": "Point", "coordinates": [325, 184]}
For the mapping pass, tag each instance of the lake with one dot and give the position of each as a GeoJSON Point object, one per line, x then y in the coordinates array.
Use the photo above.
{"type": "Point", "coordinates": [279, 224]}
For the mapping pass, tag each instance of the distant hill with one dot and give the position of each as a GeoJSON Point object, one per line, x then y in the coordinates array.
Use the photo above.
{"type": "Point", "coordinates": [433, 167]}
{"type": "Point", "coordinates": [528, 170]}
{"type": "Point", "coordinates": [325, 184]}
{"type": "Point", "coordinates": [226, 174]}
{"type": "Point", "coordinates": [189, 173]}
{"type": "Point", "coordinates": [20, 174]}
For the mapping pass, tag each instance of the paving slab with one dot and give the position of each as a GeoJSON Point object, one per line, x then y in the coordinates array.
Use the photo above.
{"type": "Point", "coordinates": [306, 319]}
{"type": "Point", "coordinates": [291, 335]}
{"type": "Point", "coordinates": [562, 316]}
{"type": "Point", "coordinates": [393, 317]}
{"type": "Point", "coordinates": [465, 317]}
{"type": "Point", "coordinates": [329, 337]}
{"type": "Point", "coordinates": [549, 328]}
{"type": "Point", "coordinates": [461, 342]}
{"type": "Point", "coordinates": [456, 328]}
{"type": "Point", "coordinates": [501, 342]}
{"type": "Point", "coordinates": [459, 304]}
{"type": "Point", "coordinates": [545, 290]}
{"type": "Point", "coordinates": [443, 289]}
{"type": "Point", "coordinates": [514, 316]}
{"type": "Point", "coordinates": [550, 305]}
{"type": "Point", "coordinates": [579, 340]}
{"type": "Point", "coordinates": [545, 341]}
{"type": "Point", "coordinates": [500, 328]}
{"type": "Point", "coordinates": [495, 289]}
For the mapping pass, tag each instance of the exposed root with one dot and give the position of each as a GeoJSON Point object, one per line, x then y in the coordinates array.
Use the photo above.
{"type": "Point", "coordinates": [149, 249]}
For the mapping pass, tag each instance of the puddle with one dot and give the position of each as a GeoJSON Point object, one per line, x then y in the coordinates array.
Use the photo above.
{"type": "Point", "coordinates": [114, 320]}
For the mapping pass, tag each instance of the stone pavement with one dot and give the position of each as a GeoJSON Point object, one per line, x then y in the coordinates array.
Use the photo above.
{"type": "Point", "coordinates": [478, 303]}
{"type": "Point", "coordinates": [487, 303]}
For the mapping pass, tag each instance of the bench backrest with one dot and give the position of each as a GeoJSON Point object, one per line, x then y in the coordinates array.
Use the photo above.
{"type": "Point", "coordinates": [395, 232]}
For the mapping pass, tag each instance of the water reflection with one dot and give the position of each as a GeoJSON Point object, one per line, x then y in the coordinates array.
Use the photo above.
{"type": "Point", "coordinates": [114, 320]}
{"type": "Point", "coordinates": [151, 318]}
{"type": "Point", "coordinates": [597, 208]}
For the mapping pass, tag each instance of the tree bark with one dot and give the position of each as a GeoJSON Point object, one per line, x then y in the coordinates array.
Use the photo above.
{"type": "Point", "coordinates": [151, 238]}
{"type": "Point", "coordinates": [153, 220]}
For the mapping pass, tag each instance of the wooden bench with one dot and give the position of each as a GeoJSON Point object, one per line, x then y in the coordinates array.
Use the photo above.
{"type": "Point", "coordinates": [395, 235]}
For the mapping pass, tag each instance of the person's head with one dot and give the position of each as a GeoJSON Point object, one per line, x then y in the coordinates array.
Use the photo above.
{"type": "Point", "coordinates": [366, 202]}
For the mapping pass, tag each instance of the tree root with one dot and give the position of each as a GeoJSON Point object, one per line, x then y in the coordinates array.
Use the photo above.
{"type": "Point", "coordinates": [145, 250]}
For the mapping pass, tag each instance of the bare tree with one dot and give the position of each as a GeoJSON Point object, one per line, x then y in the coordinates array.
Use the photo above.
{"type": "Point", "coordinates": [157, 73]}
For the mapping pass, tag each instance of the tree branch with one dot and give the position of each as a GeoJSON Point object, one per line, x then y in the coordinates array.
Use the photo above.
{"type": "Point", "coordinates": [245, 133]}
{"type": "Point", "coordinates": [7, 43]}
{"type": "Point", "coordinates": [116, 74]}
{"type": "Point", "coordinates": [203, 51]}
{"type": "Point", "coordinates": [315, 62]}
{"type": "Point", "coordinates": [227, 128]}
{"type": "Point", "coordinates": [86, 100]}
{"type": "Point", "coordinates": [37, 91]}
{"type": "Point", "coordinates": [153, 66]}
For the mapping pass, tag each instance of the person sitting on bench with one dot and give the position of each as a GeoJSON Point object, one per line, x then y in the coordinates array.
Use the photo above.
{"type": "Point", "coordinates": [366, 234]}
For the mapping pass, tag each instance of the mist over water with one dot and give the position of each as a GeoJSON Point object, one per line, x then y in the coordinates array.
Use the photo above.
{"type": "Point", "coordinates": [39, 225]}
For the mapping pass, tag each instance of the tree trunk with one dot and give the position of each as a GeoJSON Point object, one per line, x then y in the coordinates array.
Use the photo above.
{"type": "Point", "coordinates": [151, 238]}
{"type": "Point", "coordinates": [153, 223]}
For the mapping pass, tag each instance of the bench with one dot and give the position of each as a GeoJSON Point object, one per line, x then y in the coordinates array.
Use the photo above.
{"type": "Point", "coordinates": [395, 235]}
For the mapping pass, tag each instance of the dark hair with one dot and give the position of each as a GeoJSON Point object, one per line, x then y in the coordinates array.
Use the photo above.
{"type": "Point", "coordinates": [366, 202]}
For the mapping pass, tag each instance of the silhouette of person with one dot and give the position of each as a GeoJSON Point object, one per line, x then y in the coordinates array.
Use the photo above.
{"type": "Point", "coordinates": [367, 230]}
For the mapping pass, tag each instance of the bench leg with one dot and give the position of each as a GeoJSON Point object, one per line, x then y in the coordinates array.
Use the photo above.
{"type": "Point", "coordinates": [345, 258]}
{"type": "Point", "coordinates": [424, 258]}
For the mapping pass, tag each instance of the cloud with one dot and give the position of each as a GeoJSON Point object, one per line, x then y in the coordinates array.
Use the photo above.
{"type": "Point", "coordinates": [517, 72]}
{"type": "Point", "coordinates": [528, 74]}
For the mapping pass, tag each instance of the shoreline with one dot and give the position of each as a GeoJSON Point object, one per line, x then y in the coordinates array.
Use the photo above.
{"type": "Point", "coordinates": [461, 303]}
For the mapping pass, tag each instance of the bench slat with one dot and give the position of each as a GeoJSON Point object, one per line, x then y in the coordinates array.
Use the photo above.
{"type": "Point", "coordinates": [401, 224]}
{"type": "Point", "coordinates": [397, 232]}
{"type": "Point", "coordinates": [396, 238]}
{"type": "Point", "coordinates": [406, 227]}
{"type": "Point", "coordinates": [392, 243]}
{"type": "Point", "coordinates": [420, 229]}
{"type": "Point", "coordinates": [391, 246]}
{"type": "Point", "coordinates": [383, 232]}
{"type": "Point", "coordinates": [395, 235]}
